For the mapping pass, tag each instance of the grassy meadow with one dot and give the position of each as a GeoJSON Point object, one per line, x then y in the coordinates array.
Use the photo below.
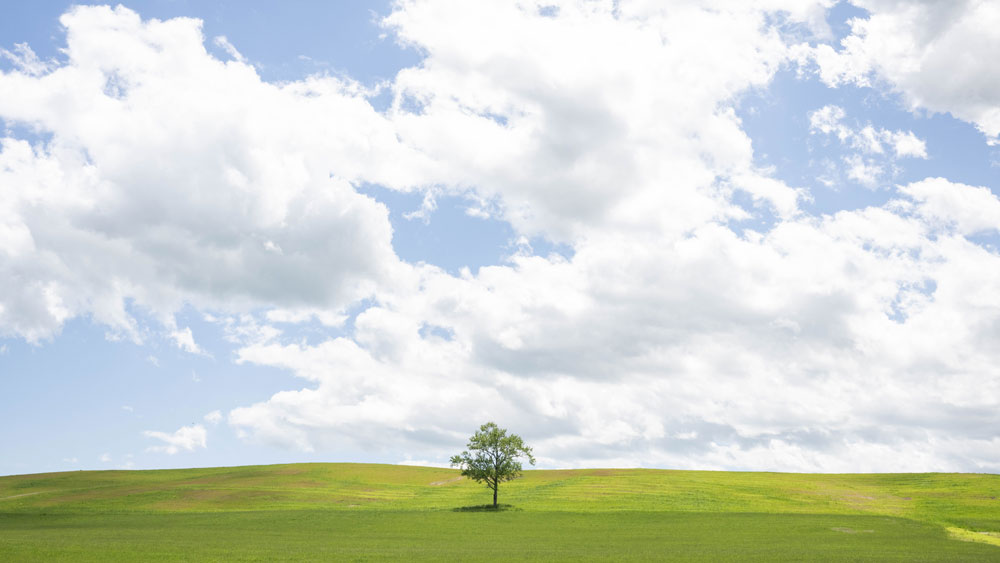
{"type": "Point", "coordinates": [366, 512]}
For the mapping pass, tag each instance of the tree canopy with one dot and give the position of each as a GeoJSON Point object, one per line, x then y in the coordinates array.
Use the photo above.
{"type": "Point", "coordinates": [492, 457]}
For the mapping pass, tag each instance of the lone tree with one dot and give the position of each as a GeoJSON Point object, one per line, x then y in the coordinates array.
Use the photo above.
{"type": "Point", "coordinates": [493, 458]}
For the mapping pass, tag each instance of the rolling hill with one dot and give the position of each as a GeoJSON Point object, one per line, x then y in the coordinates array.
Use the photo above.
{"type": "Point", "coordinates": [366, 511]}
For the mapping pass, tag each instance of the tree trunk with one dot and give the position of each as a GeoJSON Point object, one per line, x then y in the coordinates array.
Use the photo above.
{"type": "Point", "coordinates": [495, 487]}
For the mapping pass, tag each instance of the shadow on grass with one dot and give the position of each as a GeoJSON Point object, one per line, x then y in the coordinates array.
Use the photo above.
{"type": "Point", "coordinates": [486, 508]}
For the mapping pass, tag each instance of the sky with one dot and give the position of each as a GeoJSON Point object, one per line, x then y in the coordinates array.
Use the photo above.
{"type": "Point", "coordinates": [732, 235]}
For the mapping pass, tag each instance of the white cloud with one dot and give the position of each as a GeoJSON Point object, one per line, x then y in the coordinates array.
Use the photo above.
{"type": "Point", "coordinates": [841, 343]}
{"type": "Point", "coordinates": [171, 177]}
{"type": "Point", "coordinates": [228, 47]}
{"type": "Point", "coordinates": [186, 438]}
{"type": "Point", "coordinates": [969, 209]}
{"type": "Point", "coordinates": [906, 144]}
{"type": "Point", "coordinates": [25, 59]}
{"type": "Point", "coordinates": [937, 54]}
{"type": "Point", "coordinates": [184, 339]}
{"type": "Point", "coordinates": [859, 340]}
{"type": "Point", "coordinates": [607, 111]}
{"type": "Point", "coordinates": [830, 343]}
{"type": "Point", "coordinates": [863, 170]}
{"type": "Point", "coordinates": [247, 328]}
{"type": "Point", "coordinates": [292, 316]}
{"type": "Point", "coordinates": [213, 417]}
{"type": "Point", "coordinates": [105, 458]}
{"type": "Point", "coordinates": [869, 163]}
{"type": "Point", "coordinates": [830, 119]}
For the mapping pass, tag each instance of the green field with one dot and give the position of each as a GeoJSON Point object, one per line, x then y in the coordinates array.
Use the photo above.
{"type": "Point", "coordinates": [371, 512]}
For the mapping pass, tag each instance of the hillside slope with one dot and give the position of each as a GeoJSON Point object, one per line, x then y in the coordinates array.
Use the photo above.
{"type": "Point", "coordinates": [389, 511]}
{"type": "Point", "coordinates": [954, 498]}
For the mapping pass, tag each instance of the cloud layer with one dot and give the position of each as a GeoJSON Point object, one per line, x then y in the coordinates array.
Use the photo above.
{"type": "Point", "coordinates": [170, 176]}
{"type": "Point", "coordinates": [680, 332]}
{"type": "Point", "coordinates": [937, 54]}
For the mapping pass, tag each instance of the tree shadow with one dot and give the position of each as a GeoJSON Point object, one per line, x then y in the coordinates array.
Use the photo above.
{"type": "Point", "coordinates": [486, 508]}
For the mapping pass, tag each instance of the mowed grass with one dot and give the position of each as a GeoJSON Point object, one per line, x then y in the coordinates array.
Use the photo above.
{"type": "Point", "coordinates": [372, 512]}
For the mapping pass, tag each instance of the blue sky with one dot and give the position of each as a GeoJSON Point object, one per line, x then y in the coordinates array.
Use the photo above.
{"type": "Point", "coordinates": [698, 235]}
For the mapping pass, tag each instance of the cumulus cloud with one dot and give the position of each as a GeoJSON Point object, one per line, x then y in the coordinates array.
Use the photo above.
{"type": "Point", "coordinates": [607, 110]}
{"type": "Point", "coordinates": [968, 209]}
{"type": "Point", "coordinates": [170, 176]}
{"type": "Point", "coordinates": [185, 438]}
{"type": "Point", "coordinates": [823, 340]}
{"type": "Point", "coordinates": [827, 343]}
{"type": "Point", "coordinates": [673, 334]}
{"type": "Point", "coordinates": [938, 54]}
{"type": "Point", "coordinates": [905, 143]}
{"type": "Point", "coordinates": [875, 149]}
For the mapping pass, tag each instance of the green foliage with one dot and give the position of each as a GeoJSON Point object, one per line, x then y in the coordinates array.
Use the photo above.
{"type": "Point", "coordinates": [493, 458]}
